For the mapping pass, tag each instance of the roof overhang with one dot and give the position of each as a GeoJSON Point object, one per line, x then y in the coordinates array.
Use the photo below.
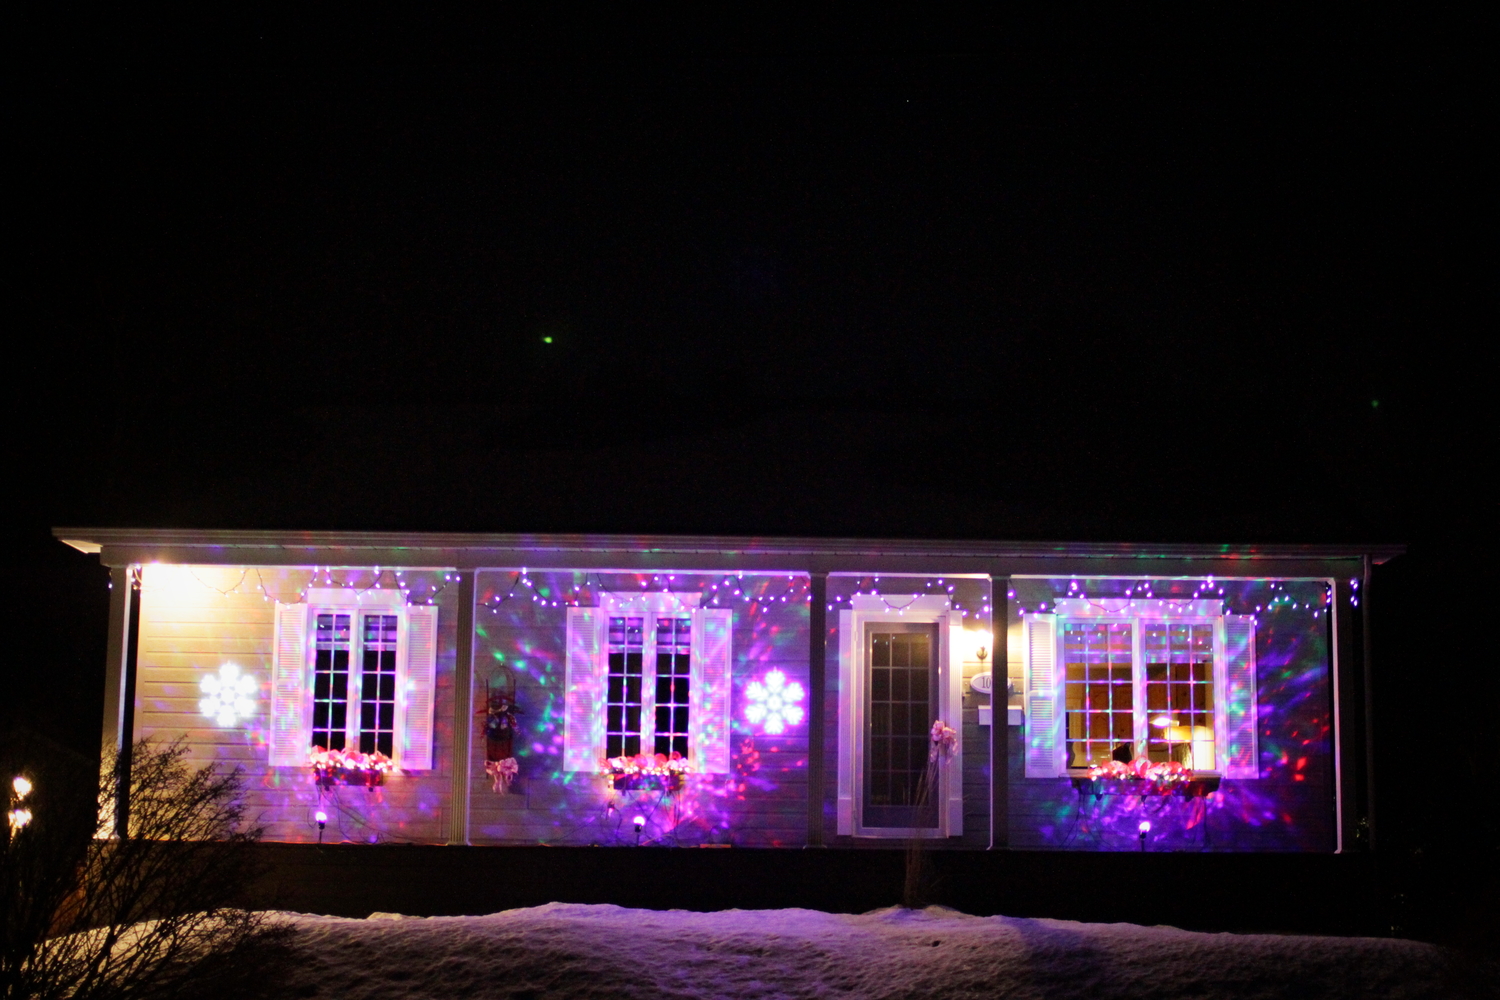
{"type": "Point", "coordinates": [126, 546]}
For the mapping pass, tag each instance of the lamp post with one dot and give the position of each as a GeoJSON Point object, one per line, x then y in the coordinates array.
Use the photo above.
{"type": "Point", "coordinates": [19, 815]}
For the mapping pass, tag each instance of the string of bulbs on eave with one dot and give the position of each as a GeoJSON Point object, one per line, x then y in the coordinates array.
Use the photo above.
{"type": "Point", "coordinates": [731, 586]}
{"type": "Point", "coordinates": [1206, 590]}
{"type": "Point", "coordinates": [905, 598]}
{"type": "Point", "coordinates": [329, 581]}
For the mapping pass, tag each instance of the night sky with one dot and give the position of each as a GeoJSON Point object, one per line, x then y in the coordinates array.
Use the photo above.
{"type": "Point", "coordinates": [1124, 281]}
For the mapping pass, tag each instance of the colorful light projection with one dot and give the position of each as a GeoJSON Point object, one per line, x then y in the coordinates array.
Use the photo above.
{"type": "Point", "coordinates": [1288, 808]}
{"type": "Point", "coordinates": [228, 696]}
{"type": "Point", "coordinates": [774, 703]}
{"type": "Point", "coordinates": [521, 623]}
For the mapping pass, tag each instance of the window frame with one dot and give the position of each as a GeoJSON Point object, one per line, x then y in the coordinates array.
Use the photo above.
{"type": "Point", "coordinates": [354, 702]}
{"type": "Point", "coordinates": [293, 686]}
{"type": "Point", "coordinates": [871, 609]}
{"type": "Point", "coordinates": [649, 652]}
{"type": "Point", "coordinates": [1137, 613]}
{"type": "Point", "coordinates": [710, 678]}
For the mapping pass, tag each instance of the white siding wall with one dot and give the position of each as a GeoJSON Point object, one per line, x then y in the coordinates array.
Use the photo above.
{"type": "Point", "coordinates": [194, 620]}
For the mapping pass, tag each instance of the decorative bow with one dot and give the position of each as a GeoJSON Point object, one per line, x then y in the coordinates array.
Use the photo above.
{"type": "Point", "coordinates": [502, 773]}
{"type": "Point", "coordinates": [944, 741]}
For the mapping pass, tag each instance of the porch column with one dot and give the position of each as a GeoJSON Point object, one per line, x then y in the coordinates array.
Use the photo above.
{"type": "Point", "coordinates": [463, 713]}
{"type": "Point", "coordinates": [118, 730]}
{"type": "Point", "coordinates": [999, 713]}
{"type": "Point", "coordinates": [817, 635]}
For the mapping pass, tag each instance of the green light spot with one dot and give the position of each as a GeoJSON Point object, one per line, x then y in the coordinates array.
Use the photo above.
{"type": "Point", "coordinates": [546, 340]}
{"type": "Point", "coordinates": [1374, 404]}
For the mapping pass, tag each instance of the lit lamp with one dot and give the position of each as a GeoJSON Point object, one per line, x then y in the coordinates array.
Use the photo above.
{"type": "Point", "coordinates": [640, 824]}
{"type": "Point", "coordinates": [19, 816]}
{"type": "Point", "coordinates": [1200, 741]}
{"type": "Point", "coordinates": [1143, 829]}
{"type": "Point", "coordinates": [981, 641]}
{"type": "Point", "coordinates": [322, 818]}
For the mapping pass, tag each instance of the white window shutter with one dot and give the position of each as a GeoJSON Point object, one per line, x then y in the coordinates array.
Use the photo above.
{"type": "Point", "coordinates": [712, 688]}
{"type": "Point", "coordinates": [1242, 753]}
{"type": "Point", "coordinates": [291, 725]}
{"type": "Point", "coordinates": [418, 688]}
{"type": "Point", "coordinates": [583, 730]}
{"type": "Point", "coordinates": [1043, 716]}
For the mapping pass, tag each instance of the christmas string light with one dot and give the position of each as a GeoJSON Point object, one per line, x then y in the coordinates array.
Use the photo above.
{"type": "Point", "coordinates": [947, 590]}
{"type": "Point", "coordinates": [586, 594]}
{"type": "Point", "coordinates": [1209, 588]}
{"type": "Point", "coordinates": [329, 581]}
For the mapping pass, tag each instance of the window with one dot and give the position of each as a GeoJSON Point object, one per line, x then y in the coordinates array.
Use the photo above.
{"type": "Point", "coordinates": [648, 673]}
{"type": "Point", "coordinates": [898, 674]}
{"type": "Point", "coordinates": [1166, 681]}
{"type": "Point", "coordinates": [354, 667]}
{"type": "Point", "coordinates": [354, 672]}
{"type": "Point", "coordinates": [899, 709]}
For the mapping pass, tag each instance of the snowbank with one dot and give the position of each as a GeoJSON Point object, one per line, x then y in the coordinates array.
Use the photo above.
{"type": "Point", "coordinates": [581, 951]}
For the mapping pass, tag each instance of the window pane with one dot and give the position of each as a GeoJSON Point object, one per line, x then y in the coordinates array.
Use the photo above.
{"type": "Point", "coordinates": [377, 685]}
{"type": "Point", "coordinates": [330, 680]}
{"type": "Point", "coordinates": [1179, 694]}
{"type": "Point", "coordinates": [899, 708]}
{"type": "Point", "coordinates": [1098, 692]}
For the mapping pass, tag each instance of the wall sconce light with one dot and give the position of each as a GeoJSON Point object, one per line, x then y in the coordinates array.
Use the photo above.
{"type": "Point", "coordinates": [981, 645]}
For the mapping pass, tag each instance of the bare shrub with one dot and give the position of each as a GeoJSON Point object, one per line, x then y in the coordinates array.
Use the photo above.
{"type": "Point", "coordinates": [89, 914]}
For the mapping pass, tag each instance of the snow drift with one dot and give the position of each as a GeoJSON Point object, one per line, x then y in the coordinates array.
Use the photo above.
{"type": "Point", "coordinates": [588, 951]}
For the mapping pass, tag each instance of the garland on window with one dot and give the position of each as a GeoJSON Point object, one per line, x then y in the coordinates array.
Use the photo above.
{"type": "Point", "coordinates": [670, 769]}
{"type": "Point", "coordinates": [1161, 773]}
{"type": "Point", "coordinates": [349, 767]}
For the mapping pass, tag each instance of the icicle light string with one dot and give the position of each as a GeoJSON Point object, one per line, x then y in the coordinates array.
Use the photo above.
{"type": "Point", "coordinates": [586, 594]}
{"type": "Point", "coordinates": [1182, 605]}
{"type": "Point", "coordinates": [947, 590]}
{"type": "Point", "coordinates": [328, 581]}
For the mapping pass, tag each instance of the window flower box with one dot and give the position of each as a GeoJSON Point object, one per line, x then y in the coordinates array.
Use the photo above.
{"type": "Point", "coordinates": [1140, 777]}
{"type": "Point", "coordinates": [348, 767]}
{"type": "Point", "coordinates": [646, 772]}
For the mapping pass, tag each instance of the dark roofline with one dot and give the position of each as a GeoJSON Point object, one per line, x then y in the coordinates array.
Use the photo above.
{"type": "Point", "coordinates": [442, 545]}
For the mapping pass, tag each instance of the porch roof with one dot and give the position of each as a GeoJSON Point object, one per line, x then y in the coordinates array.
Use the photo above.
{"type": "Point", "coordinates": [124, 546]}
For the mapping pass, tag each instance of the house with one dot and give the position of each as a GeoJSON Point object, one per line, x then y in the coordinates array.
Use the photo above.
{"type": "Point", "coordinates": [755, 692]}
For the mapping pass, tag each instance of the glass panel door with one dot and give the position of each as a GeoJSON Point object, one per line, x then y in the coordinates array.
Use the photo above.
{"type": "Point", "coordinates": [900, 705]}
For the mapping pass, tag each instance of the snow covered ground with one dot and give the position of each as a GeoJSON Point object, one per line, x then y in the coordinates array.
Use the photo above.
{"type": "Point", "coordinates": [587, 951]}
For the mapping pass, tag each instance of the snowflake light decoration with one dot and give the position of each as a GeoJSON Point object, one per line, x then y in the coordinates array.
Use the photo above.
{"type": "Point", "coordinates": [228, 695]}
{"type": "Point", "coordinates": [773, 703]}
